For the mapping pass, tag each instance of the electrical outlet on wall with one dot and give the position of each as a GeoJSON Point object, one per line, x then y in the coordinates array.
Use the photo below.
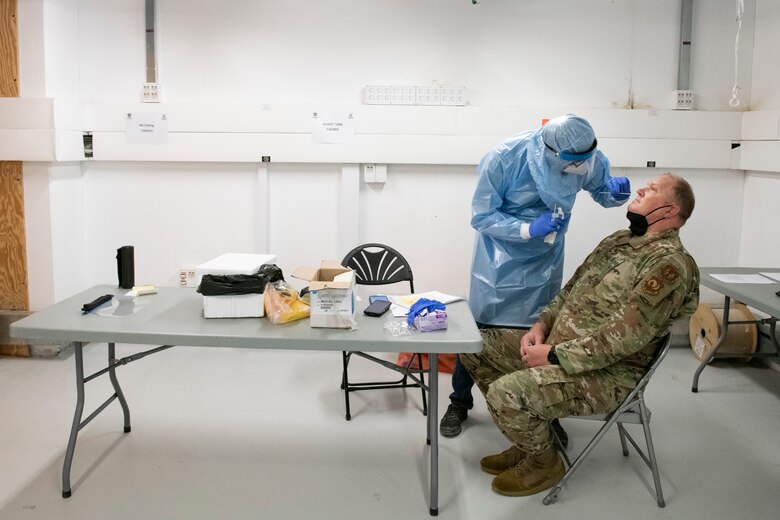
{"type": "Point", "coordinates": [683, 99]}
{"type": "Point", "coordinates": [374, 173]}
{"type": "Point", "coordinates": [187, 277]}
{"type": "Point", "coordinates": [369, 173]}
{"type": "Point", "coordinates": [381, 173]}
{"type": "Point", "coordinates": [413, 95]}
{"type": "Point", "coordinates": [151, 93]}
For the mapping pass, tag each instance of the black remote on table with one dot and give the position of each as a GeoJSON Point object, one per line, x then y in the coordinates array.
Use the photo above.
{"type": "Point", "coordinates": [97, 302]}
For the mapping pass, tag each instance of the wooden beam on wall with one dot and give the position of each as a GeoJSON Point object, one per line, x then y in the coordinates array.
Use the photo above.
{"type": "Point", "coordinates": [14, 293]}
{"type": "Point", "coordinates": [9, 49]}
{"type": "Point", "coordinates": [13, 260]}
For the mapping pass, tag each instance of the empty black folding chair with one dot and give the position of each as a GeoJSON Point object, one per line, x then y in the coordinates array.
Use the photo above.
{"type": "Point", "coordinates": [378, 264]}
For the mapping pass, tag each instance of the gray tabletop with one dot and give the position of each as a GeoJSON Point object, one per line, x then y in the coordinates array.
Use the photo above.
{"type": "Point", "coordinates": [757, 295]}
{"type": "Point", "coordinates": [174, 316]}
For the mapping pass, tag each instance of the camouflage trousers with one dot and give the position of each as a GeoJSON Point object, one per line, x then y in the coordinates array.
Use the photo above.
{"type": "Point", "coordinates": [524, 400]}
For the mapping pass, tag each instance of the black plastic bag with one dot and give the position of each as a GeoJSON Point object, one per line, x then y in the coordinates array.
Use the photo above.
{"type": "Point", "coordinates": [223, 284]}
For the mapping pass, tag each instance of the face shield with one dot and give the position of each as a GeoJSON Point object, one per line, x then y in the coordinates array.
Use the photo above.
{"type": "Point", "coordinates": [565, 144]}
{"type": "Point", "coordinates": [574, 163]}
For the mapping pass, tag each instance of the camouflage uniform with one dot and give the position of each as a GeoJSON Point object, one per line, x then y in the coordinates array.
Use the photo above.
{"type": "Point", "coordinates": [605, 325]}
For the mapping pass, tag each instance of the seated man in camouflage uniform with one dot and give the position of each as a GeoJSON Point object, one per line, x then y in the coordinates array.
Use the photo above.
{"type": "Point", "coordinates": [594, 340]}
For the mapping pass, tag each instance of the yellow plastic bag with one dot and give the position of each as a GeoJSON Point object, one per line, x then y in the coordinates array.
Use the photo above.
{"type": "Point", "coordinates": [283, 304]}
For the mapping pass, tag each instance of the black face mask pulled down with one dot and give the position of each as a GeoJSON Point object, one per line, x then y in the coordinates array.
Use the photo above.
{"type": "Point", "coordinates": [638, 223]}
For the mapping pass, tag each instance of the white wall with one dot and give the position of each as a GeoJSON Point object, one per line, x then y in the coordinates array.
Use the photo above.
{"type": "Point", "coordinates": [62, 48]}
{"type": "Point", "coordinates": [37, 222]}
{"type": "Point", "coordinates": [759, 246]}
{"type": "Point", "coordinates": [765, 87]}
{"type": "Point", "coordinates": [32, 55]}
{"type": "Point", "coordinates": [600, 54]}
{"type": "Point", "coordinates": [506, 53]}
{"type": "Point", "coordinates": [70, 210]}
{"type": "Point", "coordinates": [55, 228]}
{"type": "Point", "coordinates": [182, 215]}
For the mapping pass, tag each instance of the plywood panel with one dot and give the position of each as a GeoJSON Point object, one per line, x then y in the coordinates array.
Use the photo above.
{"type": "Point", "coordinates": [13, 260]}
{"type": "Point", "coordinates": [16, 350]}
{"type": "Point", "coordinates": [10, 346]}
{"type": "Point", "coordinates": [9, 53]}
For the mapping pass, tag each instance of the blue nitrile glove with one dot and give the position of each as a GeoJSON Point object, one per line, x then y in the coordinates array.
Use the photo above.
{"type": "Point", "coordinates": [423, 304]}
{"type": "Point", "coordinates": [544, 225]}
{"type": "Point", "coordinates": [619, 187]}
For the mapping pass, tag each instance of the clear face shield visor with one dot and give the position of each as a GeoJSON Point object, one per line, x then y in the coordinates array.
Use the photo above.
{"type": "Point", "coordinates": [576, 163]}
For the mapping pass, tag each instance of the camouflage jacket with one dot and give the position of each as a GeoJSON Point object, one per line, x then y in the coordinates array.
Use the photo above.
{"type": "Point", "coordinates": [620, 302]}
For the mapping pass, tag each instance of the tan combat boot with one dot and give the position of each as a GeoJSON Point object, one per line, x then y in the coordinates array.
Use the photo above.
{"type": "Point", "coordinates": [535, 473]}
{"type": "Point", "coordinates": [497, 464]}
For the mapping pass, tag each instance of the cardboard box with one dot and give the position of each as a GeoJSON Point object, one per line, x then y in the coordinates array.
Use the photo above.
{"type": "Point", "coordinates": [332, 289]}
{"type": "Point", "coordinates": [233, 305]}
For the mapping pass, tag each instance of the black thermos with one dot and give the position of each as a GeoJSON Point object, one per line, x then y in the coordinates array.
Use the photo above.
{"type": "Point", "coordinates": [125, 265]}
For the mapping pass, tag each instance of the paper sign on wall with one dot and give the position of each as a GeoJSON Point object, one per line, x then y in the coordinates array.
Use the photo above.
{"type": "Point", "coordinates": [146, 128]}
{"type": "Point", "coordinates": [332, 128]}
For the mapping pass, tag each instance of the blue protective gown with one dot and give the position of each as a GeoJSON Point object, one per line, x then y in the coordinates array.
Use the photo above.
{"type": "Point", "coordinates": [512, 279]}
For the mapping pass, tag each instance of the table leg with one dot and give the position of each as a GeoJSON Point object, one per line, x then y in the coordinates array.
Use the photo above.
{"type": "Point", "coordinates": [721, 339]}
{"type": "Point", "coordinates": [433, 430]}
{"type": "Point", "coordinates": [115, 384]}
{"type": "Point", "coordinates": [774, 337]}
{"type": "Point", "coordinates": [74, 430]}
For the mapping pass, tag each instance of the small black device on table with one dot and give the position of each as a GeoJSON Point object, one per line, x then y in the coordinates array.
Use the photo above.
{"type": "Point", "coordinates": [377, 308]}
{"type": "Point", "coordinates": [97, 302]}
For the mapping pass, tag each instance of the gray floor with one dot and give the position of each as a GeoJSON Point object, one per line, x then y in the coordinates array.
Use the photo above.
{"type": "Point", "coordinates": [235, 434]}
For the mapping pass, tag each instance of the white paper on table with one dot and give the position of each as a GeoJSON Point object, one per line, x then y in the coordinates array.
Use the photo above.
{"type": "Point", "coordinates": [399, 311]}
{"type": "Point", "coordinates": [402, 303]}
{"type": "Point", "coordinates": [773, 276]}
{"type": "Point", "coordinates": [742, 278]}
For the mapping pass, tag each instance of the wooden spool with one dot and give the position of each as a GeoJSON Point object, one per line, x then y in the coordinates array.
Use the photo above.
{"type": "Point", "coordinates": [706, 325]}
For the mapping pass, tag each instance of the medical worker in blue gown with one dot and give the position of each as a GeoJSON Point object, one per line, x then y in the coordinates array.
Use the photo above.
{"type": "Point", "coordinates": [521, 211]}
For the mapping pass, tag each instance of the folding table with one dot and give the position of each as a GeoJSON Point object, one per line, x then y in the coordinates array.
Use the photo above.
{"type": "Point", "coordinates": [760, 296]}
{"type": "Point", "coordinates": [174, 316]}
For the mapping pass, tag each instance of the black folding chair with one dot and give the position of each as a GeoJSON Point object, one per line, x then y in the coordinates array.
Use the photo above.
{"type": "Point", "coordinates": [632, 410]}
{"type": "Point", "coordinates": [378, 264]}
